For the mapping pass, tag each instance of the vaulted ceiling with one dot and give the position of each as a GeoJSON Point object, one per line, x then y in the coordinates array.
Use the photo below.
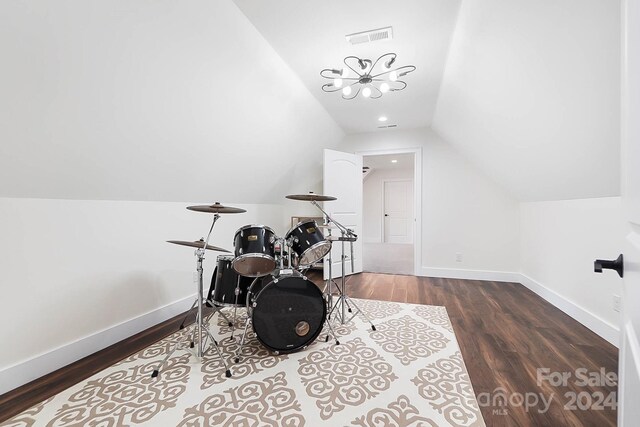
{"type": "Point", "coordinates": [163, 101]}
{"type": "Point", "coordinates": [310, 36]}
{"type": "Point", "coordinates": [527, 90]}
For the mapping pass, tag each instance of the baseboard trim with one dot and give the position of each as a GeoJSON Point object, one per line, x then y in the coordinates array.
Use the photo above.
{"type": "Point", "coordinates": [453, 273]}
{"type": "Point", "coordinates": [23, 372]}
{"type": "Point", "coordinates": [598, 325]}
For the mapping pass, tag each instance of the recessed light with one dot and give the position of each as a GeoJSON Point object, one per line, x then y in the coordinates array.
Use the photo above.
{"type": "Point", "coordinates": [394, 161]}
{"type": "Point", "coordinates": [382, 118]}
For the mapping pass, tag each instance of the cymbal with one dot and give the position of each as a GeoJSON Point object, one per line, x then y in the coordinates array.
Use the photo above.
{"type": "Point", "coordinates": [197, 244]}
{"type": "Point", "coordinates": [216, 208]}
{"type": "Point", "coordinates": [311, 197]}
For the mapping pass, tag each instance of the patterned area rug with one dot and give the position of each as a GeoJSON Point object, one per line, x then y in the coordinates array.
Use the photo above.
{"type": "Point", "coordinates": [409, 372]}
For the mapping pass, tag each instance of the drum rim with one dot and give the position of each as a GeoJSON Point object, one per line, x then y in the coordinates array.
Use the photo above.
{"type": "Point", "coordinates": [286, 236]}
{"type": "Point", "coordinates": [313, 247]}
{"type": "Point", "coordinates": [225, 257]}
{"type": "Point", "coordinates": [253, 255]}
{"type": "Point", "coordinates": [244, 227]}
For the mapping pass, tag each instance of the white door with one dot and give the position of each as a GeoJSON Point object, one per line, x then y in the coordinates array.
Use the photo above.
{"type": "Point", "coordinates": [398, 211]}
{"type": "Point", "coordinates": [343, 179]}
{"type": "Point", "coordinates": [629, 363]}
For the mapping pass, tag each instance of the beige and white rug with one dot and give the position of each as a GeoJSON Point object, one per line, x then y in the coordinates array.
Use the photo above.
{"type": "Point", "coordinates": [407, 373]}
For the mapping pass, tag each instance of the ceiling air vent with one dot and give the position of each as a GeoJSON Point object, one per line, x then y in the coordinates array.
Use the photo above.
{"type": "Point", "coordinates": [370, 36]}
{"type": "Point", "coordinates": [387, 126]}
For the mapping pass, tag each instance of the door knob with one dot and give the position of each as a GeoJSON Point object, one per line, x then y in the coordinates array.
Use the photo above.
{"type": "Point", "coordinates": [386, 214]}
{"type": "Point", "coordinates": [617, 265]}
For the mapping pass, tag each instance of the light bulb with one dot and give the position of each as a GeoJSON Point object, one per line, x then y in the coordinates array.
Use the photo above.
{"type": "Point", "coordinates": [382, 118]}
{"type": "Point", "coordinates": [393, 76]}
{"type": "Point", "coordinates": [384, 87]}
{"type": "Point", "coordinates": [346, 91]}
{"type": "Point", "coordinates": [366, 92]}
{"type": "Point", "coordinates": [337, 82]}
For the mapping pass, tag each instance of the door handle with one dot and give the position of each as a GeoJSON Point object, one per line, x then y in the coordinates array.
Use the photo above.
{"type": "Point", "coordinates": [617, 265]}
{"type": "Point", "coordinates": [386, 214]}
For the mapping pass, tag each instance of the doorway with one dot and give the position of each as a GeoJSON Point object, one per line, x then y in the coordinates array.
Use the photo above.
{"type": "Point", "coordinates": [389, 213]}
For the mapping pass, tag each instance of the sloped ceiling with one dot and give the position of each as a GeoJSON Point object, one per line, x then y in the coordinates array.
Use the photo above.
{"type": "Point", "coordinates": [310, 36]}
{"type": "Point", "coordinates": [531, 95]}
{"type": "Point", "coordinates": [165, 101]}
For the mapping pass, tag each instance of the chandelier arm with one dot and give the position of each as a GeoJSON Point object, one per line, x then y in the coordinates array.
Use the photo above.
{"type": "Point", "coordinates": [413, 68]}
{"type": "Point", "coordinates": [379, 93]}
{"type": "Point", "coordinates": [354, 94]}
{"type": "Point", "coordinates": [350, 67]}
{"type": "Point", "coordinates": [402, 88]}
{"type": "Point", "coordinates": [335, 76]}
{"type": "Point", "coordinates": [326, 87]}
{"type": "Point", "coordinates": [382, 56]}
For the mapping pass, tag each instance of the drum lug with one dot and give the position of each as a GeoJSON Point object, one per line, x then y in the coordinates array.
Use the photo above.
{"type": "Point", "coordinates": [304, 277]}
{"type": "Point", "coordinates": [276, 352]}
{"type": "Point", "coordinates": [254, 304]}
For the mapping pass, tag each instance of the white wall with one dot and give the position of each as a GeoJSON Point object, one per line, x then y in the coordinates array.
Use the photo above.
{"type": "Point", "coordinates": [531, 95]}
{"type": "Point", "coordinates": [373, 201]}
{"type": "Point", "coordinates": [149, 103]}
{"type": "Point", "coordinates": [559, 242]}
{"type": "Point", "coordinates": [462, 210]}
{"type": "Point", "coordinates": [161, 100]}
{"type": "Point", "coordinates": [71, 269]}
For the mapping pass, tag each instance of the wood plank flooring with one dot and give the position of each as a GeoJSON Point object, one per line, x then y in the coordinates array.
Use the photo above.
{"type": "Point", "coordinates": [505, 332]}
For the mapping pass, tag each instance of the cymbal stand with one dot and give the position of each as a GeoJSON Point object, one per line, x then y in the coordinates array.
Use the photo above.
{"type": "Point", "coordinates": [199, 326]}
{"type": "Point", "coordinates": [343, 299]}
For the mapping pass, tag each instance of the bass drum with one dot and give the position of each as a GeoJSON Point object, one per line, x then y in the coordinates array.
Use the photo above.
{"type": "Point", "coordinates": [287, 312]}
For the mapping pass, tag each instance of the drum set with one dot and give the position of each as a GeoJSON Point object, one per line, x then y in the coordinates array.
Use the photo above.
{"type": "Point", "coordinates": [266, 276]}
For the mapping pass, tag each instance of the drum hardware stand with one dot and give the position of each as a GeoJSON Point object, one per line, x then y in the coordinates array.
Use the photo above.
{"type": "Point", "coordinates": [343, 300]}
{"type": "Point", "coordinates": [209, 304]}
{"type": "Point", "coordinates": [236, 359]}
{"type": "Point", "coordinates": [199, 325]}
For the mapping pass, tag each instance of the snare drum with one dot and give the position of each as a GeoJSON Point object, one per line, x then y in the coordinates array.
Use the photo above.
{"type": "Point", "coordinates": [254, 249]}
{"type": "Point", "coordinates": [224, 283]}
{"type": "Point", "coordinates": [308, 242]}
{"type": "Point", "coordinates": [287, 312]}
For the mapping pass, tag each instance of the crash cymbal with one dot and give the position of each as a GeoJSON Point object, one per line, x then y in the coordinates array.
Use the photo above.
{"type": "Point", "coordinates": [311, 197]}
{"type": "Point", "coordinates": [197, 244]}
{"type": "Point", "coordinates": [216, 208]}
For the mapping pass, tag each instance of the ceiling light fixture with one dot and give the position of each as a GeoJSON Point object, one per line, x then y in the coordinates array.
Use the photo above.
{"type": "Point", "coordinates": [382, 118]}
{"type": "Point", "coordinates": [372, 79]}
{"type": "Point", "coordinates": [394, 161]}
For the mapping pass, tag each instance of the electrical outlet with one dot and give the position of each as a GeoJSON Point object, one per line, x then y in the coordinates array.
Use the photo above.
{"type": "Point", "coordinates": [616, 303]}
{"type": "Point", "coordinates": [458, 257]}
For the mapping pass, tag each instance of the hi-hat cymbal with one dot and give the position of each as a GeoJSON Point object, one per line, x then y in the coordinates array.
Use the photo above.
{"type": "Point", "coordinates": [197, 244]}
{"type": "Point", "coordinates": [216, 208]}
{"type": "Point", "coordinates": [311, 197]}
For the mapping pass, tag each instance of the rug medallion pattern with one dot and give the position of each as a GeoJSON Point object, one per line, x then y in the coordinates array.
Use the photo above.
{"type": "Point", "coordinates": [409, 372]}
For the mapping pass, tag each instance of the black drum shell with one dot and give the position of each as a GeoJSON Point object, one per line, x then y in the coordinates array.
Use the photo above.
{"type": "Point", "coordinates": [279, 305]}
{"type": "Point", "coordinates": [223, 284]}
{"type": "Point", "coordinates": [307, 241]}
{"type": "Point", "coordinates": [254, 250]}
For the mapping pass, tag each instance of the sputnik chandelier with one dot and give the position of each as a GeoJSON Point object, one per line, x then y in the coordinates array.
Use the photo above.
{"type": "Point", "coordinates": [372, 79]}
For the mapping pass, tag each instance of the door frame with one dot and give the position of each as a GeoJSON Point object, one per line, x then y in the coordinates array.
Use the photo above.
{"type": "Point", "coordinates": [384, 181]}
{"type": "Point", "coordinates": [417, 197]}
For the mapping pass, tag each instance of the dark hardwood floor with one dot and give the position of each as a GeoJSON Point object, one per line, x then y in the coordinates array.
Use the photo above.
{"type": "Point", "coordinates": [506, 333]}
